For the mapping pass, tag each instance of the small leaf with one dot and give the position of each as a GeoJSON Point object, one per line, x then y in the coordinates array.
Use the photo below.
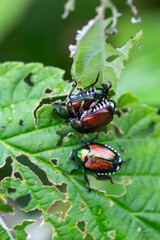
{"type": "Point", "coordinates": [4, 234]}
{"type": "Point", "coordinates": [20, 230]}
{"type": "Point", "coordinates": [92, 54]}
{"type": "Point", "coordinates": [125, 99]}
{"type": "Point", "coordinates": [134, 122]}
{"type": "Point", "coordinates": [5, 207]}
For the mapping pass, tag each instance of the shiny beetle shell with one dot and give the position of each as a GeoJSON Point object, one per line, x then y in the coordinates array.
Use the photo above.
{"type": "Point", "coordinates": [76, 104]}
{"type": "Point", "coordinates": [98, 159]}
{"type": "Point", "coordinates": [95, 118]}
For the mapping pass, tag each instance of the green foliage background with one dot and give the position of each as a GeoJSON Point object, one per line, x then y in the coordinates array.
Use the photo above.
{"type": "Point", "coordinates": [39, 155]}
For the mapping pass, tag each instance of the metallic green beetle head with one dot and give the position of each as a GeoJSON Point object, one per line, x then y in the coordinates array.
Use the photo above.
{"type": "Point", "coordinates": [62, 111]}
{"type": "Point", "coordinates": [76, 124]}
{"type": "Point", "coordinates": [78, 155]}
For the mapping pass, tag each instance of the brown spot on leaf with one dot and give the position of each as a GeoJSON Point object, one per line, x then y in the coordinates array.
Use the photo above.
{"type": "Point", "coordinates": [99, 212]}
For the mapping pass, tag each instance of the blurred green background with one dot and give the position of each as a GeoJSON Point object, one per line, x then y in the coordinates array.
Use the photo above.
{"type": "Point", "coordinates": [33, 31]}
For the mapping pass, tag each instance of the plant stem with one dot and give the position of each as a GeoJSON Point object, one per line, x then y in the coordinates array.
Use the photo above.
{"type": "Point", "coordinates": [2, 223]}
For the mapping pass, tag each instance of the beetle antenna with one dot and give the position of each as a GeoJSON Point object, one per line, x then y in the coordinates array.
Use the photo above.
{"type": "Point", "coordinates": [126, 160]}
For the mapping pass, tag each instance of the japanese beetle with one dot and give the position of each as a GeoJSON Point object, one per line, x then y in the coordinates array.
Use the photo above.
{"type": "Point", "coordinates": [82, 100]}
{"type": "Point", "coordinates": [62, 111]}
{"type": "Point", "coordinates": [95, 118]}
{"type": "Point", "coordinates": [99, 159]}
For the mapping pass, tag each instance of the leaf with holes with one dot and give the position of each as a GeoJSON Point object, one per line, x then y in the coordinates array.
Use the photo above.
{"type": "Point", "coordinates": [38, 156]}
{"type": "Point", "coordinates": [92, 53]}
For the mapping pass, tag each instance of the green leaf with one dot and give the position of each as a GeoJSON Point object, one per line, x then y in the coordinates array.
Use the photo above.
{"type": "Point", "coordinates": [7, 234]}
{"type": "Point", "coordinates": [128, 209]}
{"type": "Point", "coordinates": [5, 207]}
{"type": "Point", "coordinates": [92, 54]}
{"type": "Point", "coordinates": [157, 127]}
{"type": "Point", "coordinates": [125, 99]}
{"type": "Point", "coordinates": [4, 234]}
{"type": "Point", "coordinates": [20, 232]}
{"type": "Point", "coordinates": [137, 120]}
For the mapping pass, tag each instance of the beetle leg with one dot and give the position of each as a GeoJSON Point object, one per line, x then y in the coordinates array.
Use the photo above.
{"type": "Point", "coordinates": [103, 177]}
{"type": "Point", "coordinates": [70, 102]}
{"type": "Point", "coordinates": [87, 180]}
{"type": "Point", "coordinates": [126, 160]}
{"type": "Point", "coordinates": [80, 110]}
{"type": "Point", "coordinates": [73, 170]}
{"type": "Point", "coordinates": [110, 179]}
{"type": "Point", "coordinates": [96, 137]}
{"type": "Point", "coordinates": [73, 110]}
{"type": "Point", "coordinates": [73, 87]}
{"type": "Point", "coordinates": [82, 141]}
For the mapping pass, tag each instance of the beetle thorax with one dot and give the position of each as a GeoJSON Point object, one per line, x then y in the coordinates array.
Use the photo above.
{"type": "Point", "coordinates": [83, 154]}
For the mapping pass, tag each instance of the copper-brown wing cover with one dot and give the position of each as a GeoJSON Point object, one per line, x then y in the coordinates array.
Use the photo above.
{"type": "Point", "coordinates": [76, 105]}
{"type": "Point", "coordinates": [100, 117]}
{"type": "Point", "coordinates": [99, 164]}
